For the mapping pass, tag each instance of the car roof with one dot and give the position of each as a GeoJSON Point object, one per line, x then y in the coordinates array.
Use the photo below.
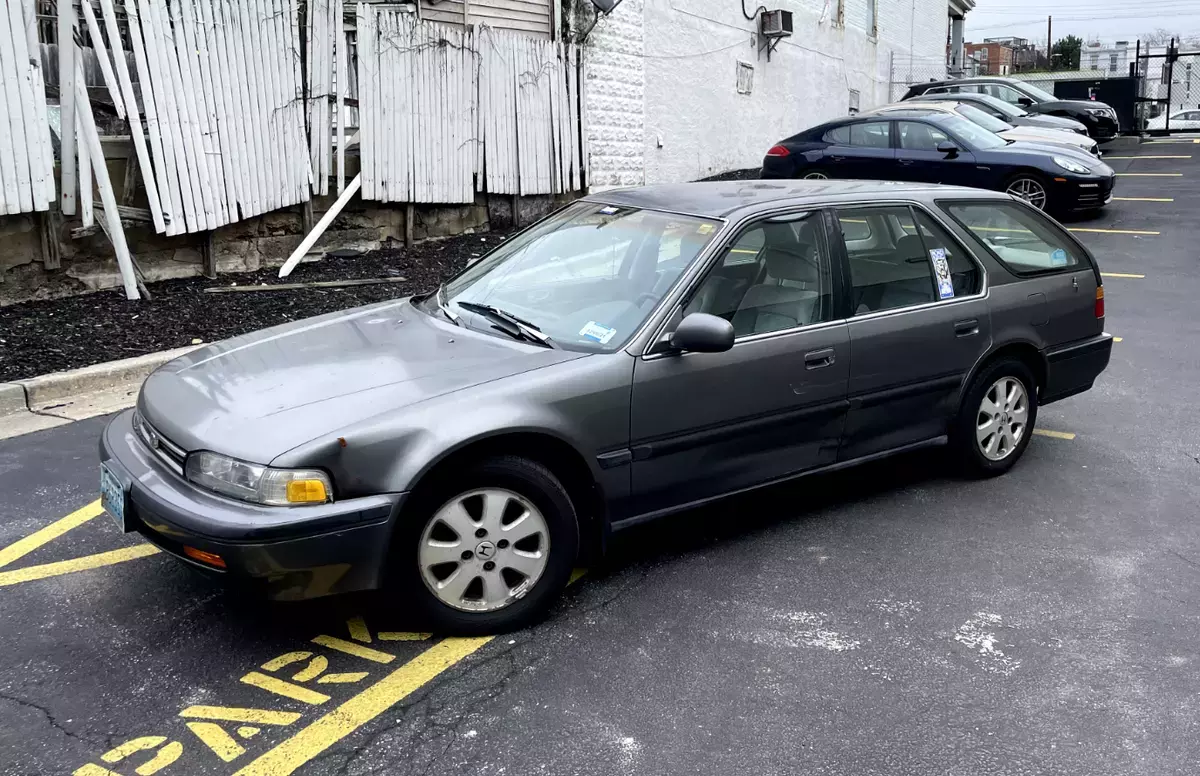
{"type": "Point", "coordinates": [727, 199]}
{"type": "Point", "coordinates": [983, 79]}
{"type": "Point", "coordinates": [940, 106]}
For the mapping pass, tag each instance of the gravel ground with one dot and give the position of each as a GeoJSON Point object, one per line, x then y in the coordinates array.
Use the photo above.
{"type": "Point", "coordinates": [56, 334]}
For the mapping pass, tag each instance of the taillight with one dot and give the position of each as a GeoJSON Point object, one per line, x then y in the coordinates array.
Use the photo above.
{"type": "Point", "coordinates": [1099, 301]}
{"type": "Point", "coordinates": [778, 150]}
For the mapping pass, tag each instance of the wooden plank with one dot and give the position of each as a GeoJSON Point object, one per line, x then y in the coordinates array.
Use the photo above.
{"type": "Point", "coordinates": [410, 215]}
{"type": "Point", "coordinates": [214, 65]}
{"type": "Point", "coordinates": [43, 174]}
{"type": "Point", "coordinates": [208, 254]}
{"type": "Point", "coordinates": [48, 242]}
{"type": "Point", "coordinates": [298, 156]}
{"type": "Point", "coordinates": [86, 211]}
{"type": "Point", "coordinates": [364, 99]}
{"type": "Point", "coordinates": [506, 19]}
{"type": "Point", "coordinates": [285, 66]}
{"type": "Point", "coordinates": [106, 70]}
{"type": "Point", "coordinates": [140, 160]}
{"type": "Point", "coordinates": [175, 53]}
{"type": "Point", "coordinates": [108, 197]}
{"type": "Point", "coordinates": [272, 55]}
{"type": "Point", "coordinates": [29, 155]}
{"type": "Point", "coordinates": [260, 63]}
{"type": "Point", "coordinates": [14, 149]}
{"type": "Point", "coordinates": [343, 73]}
{"type": "Point", "coordinates": [197, 37]}
{"type": "Point", "coordinates": [161, 171]}
{"type": "Point", "coordinates": [299, 286]}
{"type": "Point", "coordinates": [203, 146]}
{"type": "Point", "coordinates": [66, 88]}
{"type": "Point", "coordinates": [165, 89]}
{"type": "Point", "coordinates": [252, 111]}
{"type": "Point", "coordinates": [321, 226]}
{"type": "Point", "coordinates": [243, 114]}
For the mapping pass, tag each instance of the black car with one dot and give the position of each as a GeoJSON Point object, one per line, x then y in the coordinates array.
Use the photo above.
{"type": "Point", "coordinates": [997, 108]}
{"type": "Point", "coordinates": [943, 148]}
{"type": "Point", "coordinates": [1099, 118]}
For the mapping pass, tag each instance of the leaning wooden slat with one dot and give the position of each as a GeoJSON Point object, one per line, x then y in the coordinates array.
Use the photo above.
{"type": "Point", "coordinates": [343, 72]}
{"type": "Point", "coordinates": [255, 110]}
{"type": "Point", "coordinates": [125, 84]}
{"type": "Point", "coordinates": [271, 65]}
{"type": "Point", "coordinates": [364, 100]}
{"type": "Point", "coordinates": [421, 132]}
{"type": "Point", "coordinates": [106, 70]}
{"type": "Point", "coordinates": [202, 145]}
{"type": "Point", "coordinates": [196, 36]}
{"type": "Point", "coordinates": [18, 184]}
{"type": "Point", "coordinates": [321, 226]}
{"type": "Point", "coordinates": [245, 106]}
{"type": "Point", "coordinates": [178, 54]}
{"type": "Point", "coordinates": [280, 74]}
{"type": "Point", "coordinates": [165, 174]}
{"type": "Point", "coordinates": [166, 87]}
{"type": "Point", "coordinates": [395, 75]}
{"type": "Point", "coordinates": [108, 197]}
{"type": "Point", "coordinates": [87, 213]}
{"type": "Point", "coordinates": [298, 157]}
{"type": "Point", "coordinates": [215, 66]}
{"type": "Point", "coordinates": [573, 104]}
{"type": "Point", "coordinates": [33, 161]}
{"type": "Point", "coordinates": [66, 101]}
{"type": "Point", "coordinates": [259, 64]}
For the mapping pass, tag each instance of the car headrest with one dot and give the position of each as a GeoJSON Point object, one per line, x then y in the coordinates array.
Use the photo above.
{"type": "Point", "coordinates": [788, 256]}
{"type": "Point", "coordinates": [910, 247]}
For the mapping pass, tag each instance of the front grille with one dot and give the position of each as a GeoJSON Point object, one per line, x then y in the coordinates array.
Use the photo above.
{"type": "Point", "coordinates": [171, 454]}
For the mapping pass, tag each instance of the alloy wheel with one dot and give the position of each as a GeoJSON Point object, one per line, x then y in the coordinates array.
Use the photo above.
{"type": "Point", "coordinates": [1029, 189]}
{"type": "Point", "coordinates": [816, 176]}
{"type": "Point", "coordinates": [1002, 420]}
{"type": "Point", "coordinates": [483, 550]}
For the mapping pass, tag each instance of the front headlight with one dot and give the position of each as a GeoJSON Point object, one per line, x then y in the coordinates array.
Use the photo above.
{"type": "Point", "coordinates": [1101, 111]}
{"type": "Point", "coordinates": [1070, 165]}
{"type": "Point", "coordinates": [258, 484]}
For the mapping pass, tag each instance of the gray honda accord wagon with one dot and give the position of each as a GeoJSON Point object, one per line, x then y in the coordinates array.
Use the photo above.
{"type": "Point", "coordinates": [636, 353]}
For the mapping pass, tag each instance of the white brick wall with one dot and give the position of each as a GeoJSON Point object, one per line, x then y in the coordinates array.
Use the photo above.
{"type": "Point", "coordinates": [662, 96]}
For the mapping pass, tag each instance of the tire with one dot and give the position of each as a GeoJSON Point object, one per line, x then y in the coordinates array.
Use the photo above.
{"type": "Point", "coordinates": [815, 176]}
{"type": "Point", "coordinates": [1028, 181]}
{"type": "Point", "coordinates": [968, 437]}
{"type": "Point", "coordinates": [424, 581]}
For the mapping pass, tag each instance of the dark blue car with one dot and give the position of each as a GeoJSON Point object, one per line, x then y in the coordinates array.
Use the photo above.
{"type": "Point", "coordinates": [943, 149]}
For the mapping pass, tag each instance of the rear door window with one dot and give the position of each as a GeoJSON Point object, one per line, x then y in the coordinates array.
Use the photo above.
{"type": "Point", "coordinates": [890, 269]}
{"type": "Point", "coordinates": [917, 136]}
{"type": "Point", "coordinates": [1020, 237]}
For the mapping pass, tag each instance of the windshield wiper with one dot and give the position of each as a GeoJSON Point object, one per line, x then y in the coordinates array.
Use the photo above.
{"type": "Point", "coordinates": [512, 325]}
{"type": "Point", "coordinates": [439, 300]}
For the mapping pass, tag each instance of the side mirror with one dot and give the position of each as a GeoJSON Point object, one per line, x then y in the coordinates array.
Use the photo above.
{"type": "Point", "coordinates": [947, 148]}
{"type": "Point", "coordinates": [1024, 102]}
{"type": "Point", "coordinates": [703, 333]}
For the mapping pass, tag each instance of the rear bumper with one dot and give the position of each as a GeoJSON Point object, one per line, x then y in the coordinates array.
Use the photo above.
{"type": "Point", "coordinates": [291, 553]}
{"type": "Point", "coordinates": [1073, 368]}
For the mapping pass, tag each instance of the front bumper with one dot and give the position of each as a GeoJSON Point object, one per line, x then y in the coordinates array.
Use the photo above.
{"type": "Point", "coordinates": [1072, 369]}
{"type": "Point", "coordinates": [1088, 193]}
{"type": "Point", "coordinates": [293, 553]}
{"type": "Point", "coordinates": [1101, 127]}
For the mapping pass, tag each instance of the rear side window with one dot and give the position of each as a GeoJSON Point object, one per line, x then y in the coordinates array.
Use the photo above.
{"type": "Point", "coordinates": [965, 276]}
{"type": "Point", "coordinates": [868, 135]}
{"type": "Point", "coordinates": [891, 269]}
{"type": "Point", "coordinates": [1019, 236]}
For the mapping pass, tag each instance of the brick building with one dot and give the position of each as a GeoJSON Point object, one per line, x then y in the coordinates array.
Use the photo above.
{"type": "Point", "coordinates": [994, 57]}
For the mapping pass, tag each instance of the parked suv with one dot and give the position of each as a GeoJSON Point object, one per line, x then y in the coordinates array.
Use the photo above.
{"type": "Point", "coordinates": [1099, 118]}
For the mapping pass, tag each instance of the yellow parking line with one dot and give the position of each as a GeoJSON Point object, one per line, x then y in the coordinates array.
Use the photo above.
{"type": "Point", "coordinates": [1148, 156]}
{"type": "Point", "coordinates": [76, 564]}
{"type": "Point", "coordinates": [1144, 199]}
{"type": "Point", "coordinates": [1149, 174]}
{"type": "Point", "coordinates": [362, 708]}
{"type": "Point", "coordinates": [1053, 434]}
{"type": "Point", "coordinates": [49, 533]}
{"type": "Point", "coordinates": [1111, 231]}
{"type": "Point", "coordinates": [1120, 275]}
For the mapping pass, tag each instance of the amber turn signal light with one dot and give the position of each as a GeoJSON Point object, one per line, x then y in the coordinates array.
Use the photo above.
{"type": "Point", "coordinates": [207, 558]}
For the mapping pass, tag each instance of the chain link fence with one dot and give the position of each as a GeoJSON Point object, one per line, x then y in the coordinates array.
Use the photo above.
{"type": "Point", "coordinates": [905, 70]}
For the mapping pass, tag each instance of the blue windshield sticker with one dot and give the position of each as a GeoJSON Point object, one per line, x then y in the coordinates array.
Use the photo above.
{"type": "Point", "coordinates": [941, 271]}
{"type": "Point", "coordinates": [597, 332]}
{"type": "Point", "coordinates": [1058, 258]}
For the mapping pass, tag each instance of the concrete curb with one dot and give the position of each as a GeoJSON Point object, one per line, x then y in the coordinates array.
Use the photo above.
{"type": "Point", "coordinates": [62, 397]}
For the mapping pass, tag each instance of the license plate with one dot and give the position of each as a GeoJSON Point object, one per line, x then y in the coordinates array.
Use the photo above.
{"type": "Point", "coordinates": [112, 495]}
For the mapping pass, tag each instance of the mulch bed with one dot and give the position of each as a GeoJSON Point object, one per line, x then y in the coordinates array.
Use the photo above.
{"type": "Point", "coordinates": [57, 334]}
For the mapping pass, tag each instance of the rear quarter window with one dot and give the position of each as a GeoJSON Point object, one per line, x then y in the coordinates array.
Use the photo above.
{"type": "Point", "coordinates": [1020, 237]}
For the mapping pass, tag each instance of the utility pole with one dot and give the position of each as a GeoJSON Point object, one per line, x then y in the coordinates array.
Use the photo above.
{"type": "Point", "coordinates": [1050, 41]}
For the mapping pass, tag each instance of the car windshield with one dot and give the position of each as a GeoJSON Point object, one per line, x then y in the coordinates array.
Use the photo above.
{"type": "Point", "coordinates": [976, 116]}
{"type": "Point", "coordinates": [1040, 94]}
{"type": "Point", "coordinates": [977, 138]}
{"type": "Point", "coordinates": [586, 277]}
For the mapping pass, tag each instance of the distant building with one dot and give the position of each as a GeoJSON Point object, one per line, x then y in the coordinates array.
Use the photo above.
{"type": "Point", "coordinates": [994, 58]}
{"type": "Point", "coordinates": [1113, 59]}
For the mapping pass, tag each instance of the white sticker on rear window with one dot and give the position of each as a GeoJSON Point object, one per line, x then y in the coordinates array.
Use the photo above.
{"type": "Point", "coordinates": [608, 211]}
{"type": "Point", "coordinates": [941, 271]}
{"type": "Point", "coordinates": [1058, 258]}
{"type": "Point", "coordinates": [597, 332]}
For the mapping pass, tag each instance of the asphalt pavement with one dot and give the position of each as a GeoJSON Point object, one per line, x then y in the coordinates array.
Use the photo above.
{"type": "Point", "coordinates": [892, 619]}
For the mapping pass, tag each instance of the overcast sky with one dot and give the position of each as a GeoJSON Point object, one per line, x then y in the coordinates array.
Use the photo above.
{"type": "Point", "coordinates": [1108, 20]}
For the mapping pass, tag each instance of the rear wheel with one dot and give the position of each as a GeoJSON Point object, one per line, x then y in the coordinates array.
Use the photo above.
{"type": "Point", "coordinates": [815, 176]}
{"type": "Point", "coordinates": [997, 418]}
{"type": "Point", "coordinates": [488, 551]}
{"type": "Point", "coordinates": [1030, 188]}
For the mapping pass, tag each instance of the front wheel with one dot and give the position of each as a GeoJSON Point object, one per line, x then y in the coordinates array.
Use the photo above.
{"type": "Point", "coordinates": [996, 418]}
{"type": "Point", "coordinates": [815, 176]}
{"type": "Point", "coordinates": [1030, 188]}
{"type": "Point", "coordinates": [489, 550]}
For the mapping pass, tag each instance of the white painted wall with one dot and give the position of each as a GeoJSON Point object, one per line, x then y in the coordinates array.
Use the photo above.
{"type": "Point", "coordinates": [662, 98]}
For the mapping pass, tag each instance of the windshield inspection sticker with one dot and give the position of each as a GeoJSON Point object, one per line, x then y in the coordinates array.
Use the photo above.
{"type": "Point", "coordinates": [1058, 258]}
{"type": "Point", "coordinates": [704, 228]}
{"type": "Point", "coordinates": [608, 211]}
{"type": "Point", "coordinates": [941, 270]}
{"type": "Point", "coordinates": [597, 332]}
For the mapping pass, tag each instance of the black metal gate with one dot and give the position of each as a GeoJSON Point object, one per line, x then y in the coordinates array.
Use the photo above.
{"type": "Point", "coordinates": [1168, 89]}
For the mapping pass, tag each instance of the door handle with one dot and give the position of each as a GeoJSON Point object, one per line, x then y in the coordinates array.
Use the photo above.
{"type": "Point", "coordinates": [819, 358]}
{"type": "Point", "coordinates": [966, 328]}
{"type": "Point", "coordinates": [837, 158]}
{"type": "Point", "coordinates": [906, 162]}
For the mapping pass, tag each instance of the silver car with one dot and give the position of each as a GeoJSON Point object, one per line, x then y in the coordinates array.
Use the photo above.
{"type": "Point", "coordinates": [637, 353]}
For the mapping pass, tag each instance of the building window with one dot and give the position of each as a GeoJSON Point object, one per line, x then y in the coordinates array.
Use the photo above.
{"type": "Point", "coordinates": [1112, 63]}
{"type": "Point", "coordinates": [745, 77]}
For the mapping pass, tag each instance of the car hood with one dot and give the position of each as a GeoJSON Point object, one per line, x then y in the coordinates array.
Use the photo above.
{"type": "Point", "coordinates": [1054, 137]}
{"type": "Point", "coordinates": [1024, 149]}
{"type": "Point", "coordinates": [1046, 107]}
{"type": "Point", "coordinates": [257, 396]}
{"type": "Point", "coordinates": [1053, 122]}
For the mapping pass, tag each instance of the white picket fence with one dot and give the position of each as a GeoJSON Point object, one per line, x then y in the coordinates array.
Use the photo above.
{"type": "Point", "coordinates": [445, 110]}
{"type": "Point", "coordinates": [26, 153]}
